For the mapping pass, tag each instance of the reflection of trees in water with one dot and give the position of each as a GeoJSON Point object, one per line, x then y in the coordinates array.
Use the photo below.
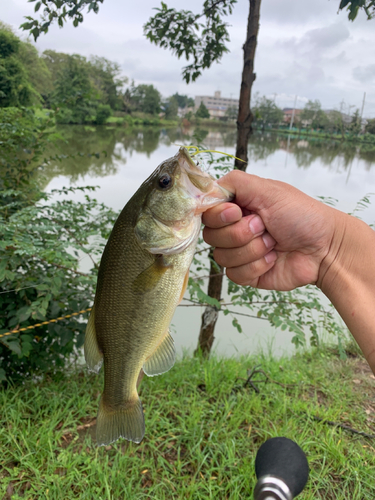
{"type": "Point", "coordinates": [263, 145]}
{"type": "Point", "coordinates": [80, 144]}
{"type": "Point", "coordinates": [119, 142]}
{"type": "Point", "coordinates": [306, 151]}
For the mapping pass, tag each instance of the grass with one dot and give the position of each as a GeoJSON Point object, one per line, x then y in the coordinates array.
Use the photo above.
{"type": "Point", "coordinates": [203, 428]}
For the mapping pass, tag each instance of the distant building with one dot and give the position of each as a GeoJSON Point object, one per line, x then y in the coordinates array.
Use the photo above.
{"type": "Point", "coordinates": [216, 105]}
{"type": "Point", "coordinates": [288, 113]}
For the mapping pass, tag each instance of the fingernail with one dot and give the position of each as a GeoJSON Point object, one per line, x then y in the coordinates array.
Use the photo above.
{"type": "Point", "coordinates": [270, 257]}
{"type": "Point", "coordinates": [229, 215]}
{"type": "Point", "coordinates": [268, 240]}
{"type": "Point", "coordinates": [256, 225]}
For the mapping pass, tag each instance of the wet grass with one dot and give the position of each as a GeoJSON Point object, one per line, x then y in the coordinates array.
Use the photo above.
{"type": "Point", "coordinates": [203, 428]}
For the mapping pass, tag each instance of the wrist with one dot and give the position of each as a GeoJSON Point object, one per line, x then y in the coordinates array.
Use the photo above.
{"type": "Point", "coordinates": [347, 278]}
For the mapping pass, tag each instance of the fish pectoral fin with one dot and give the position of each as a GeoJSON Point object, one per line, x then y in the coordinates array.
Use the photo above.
{"type": "Point", "coordinates": [127, 422]}
{"type": "Point", "coordinates": [93, 355]}
{"type": "Point", "coordinates": [162, 359]}
{"type": "Point", "coordinates": [148, 279]}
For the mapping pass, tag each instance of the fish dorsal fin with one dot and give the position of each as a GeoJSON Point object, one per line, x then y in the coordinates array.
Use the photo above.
{"type": "Point", "coordinates": [148, 279]}
{"type": "Point", "coordinates": [162, 359]}
{"type": "Point", "coordinates": [93, 356]}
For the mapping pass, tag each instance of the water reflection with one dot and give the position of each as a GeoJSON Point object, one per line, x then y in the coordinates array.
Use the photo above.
{"type": "Point", "coordinates": [98, 151]}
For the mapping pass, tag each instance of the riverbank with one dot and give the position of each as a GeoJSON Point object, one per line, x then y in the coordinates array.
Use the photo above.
{"type": "Point", "coordinates": [204, 424]}
{"type": "Point", "coordinates": [319, 134]}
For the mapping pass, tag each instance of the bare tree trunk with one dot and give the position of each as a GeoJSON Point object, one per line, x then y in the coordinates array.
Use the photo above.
{"type": "Point", "coordinates": [244, 129]}
{"type": "Point", "coordinates": [211, 313]}
{"type": "Point", "coordinates": [245, 116]}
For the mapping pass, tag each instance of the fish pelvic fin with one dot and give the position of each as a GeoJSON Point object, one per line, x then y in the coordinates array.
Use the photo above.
{"type": "Point", "coordinates": [93, 355]}
{"type": "Point", "coordinates": [162, 359]}
{"type": "Point", "coordinates": [113, 423]}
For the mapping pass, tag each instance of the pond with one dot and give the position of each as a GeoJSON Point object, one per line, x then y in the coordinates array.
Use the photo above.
{"type": "Point", "coordinates": [125, 157]}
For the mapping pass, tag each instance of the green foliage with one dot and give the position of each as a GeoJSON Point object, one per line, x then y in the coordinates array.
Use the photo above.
{"type": "Point", "coordinates": [182, 33]}
{"type": "Point", "coordinates": [144, 98]}
{"type": "Point", "coordinates": [37, 71]}
{"type": "Point", "coordinates": [41, 246]}
{"type": "Point", "coordinates": [82, 87]}
{"type": "Point", "coordinates": [231, 113]}
{"type": "Point", "coordinates": [353, 7]}
{"type": "Point", "coordinates": [105, 79]}
{"type": "Point", "coordinates": [23, 137]}
{"type": "Point", "coordinates": [370, 126]}
{"type": "Point", "coordinates": [266, 113]}
{"type": "Point", "coordinates": [74, 92]}
{"type": "Point", "coordinates": [355, 124]}
{"type": "Point", "coordinates": [15, 87]}
{"type": "Point", "coordinates": [103, 112]}
{"type": "Point", "coordinates": [171, 108]}
{"type": "Point", "coordinates": [202, 111]}
{"type": "Point", "coordinates": [58, 10]}
{"type": "Point", "coordinates": [183, 101]}
{"type": "Point", "coordinates": [313, 115]}
{"type": "Point", "coordinates": [41, 242]}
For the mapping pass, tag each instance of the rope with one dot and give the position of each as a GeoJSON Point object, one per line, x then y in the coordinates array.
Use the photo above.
{"type": "Point", "coordinates": [45, 322]}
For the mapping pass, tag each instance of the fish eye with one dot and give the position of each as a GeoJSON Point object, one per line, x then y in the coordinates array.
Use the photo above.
{"type": "Point", "coordinates": [165, 181]}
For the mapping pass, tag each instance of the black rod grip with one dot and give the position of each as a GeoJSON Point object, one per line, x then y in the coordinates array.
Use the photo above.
{"type": "Point", "coordinates": [283, 458]}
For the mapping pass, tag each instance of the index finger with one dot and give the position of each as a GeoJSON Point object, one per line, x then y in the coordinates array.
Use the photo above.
{"type": "Point", "coordinates": [222, 215]}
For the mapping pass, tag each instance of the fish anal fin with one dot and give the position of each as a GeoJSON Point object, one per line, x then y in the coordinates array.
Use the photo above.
{"type": "Point", "coordinates": [93, 355]}
{"type": "Point", "coordinates": [184, 286]}
{"type": "Point", "coordinates": [162, 359]}
{"type": "Point", "coordinates": [148, 279]}
{"type": "Point", "coordinates": [126, 421]}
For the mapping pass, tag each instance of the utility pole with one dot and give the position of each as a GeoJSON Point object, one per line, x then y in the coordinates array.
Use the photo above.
{"type": "Point", "coordinates": [363, 106]}
{"type": "Point", "coordinates": [293, 112]}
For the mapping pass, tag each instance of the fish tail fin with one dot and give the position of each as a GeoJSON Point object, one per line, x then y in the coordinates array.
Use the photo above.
{"type": "Point", "coordinates": [127, 422]}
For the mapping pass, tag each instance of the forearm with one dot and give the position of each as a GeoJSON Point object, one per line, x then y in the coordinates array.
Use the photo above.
{"type": "Point", "coordinates": [348, 280]}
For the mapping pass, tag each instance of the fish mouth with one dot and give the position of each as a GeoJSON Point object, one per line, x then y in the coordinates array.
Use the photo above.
{"type": "Point", "coordinates": [200, 185]}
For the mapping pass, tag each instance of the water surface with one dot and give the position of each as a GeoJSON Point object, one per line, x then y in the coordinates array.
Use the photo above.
{"type": "Point", "coordinates": [118, 160]}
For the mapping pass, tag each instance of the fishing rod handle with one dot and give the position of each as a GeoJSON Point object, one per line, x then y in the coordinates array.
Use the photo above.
{"type": "Point", "coordinates": [281, 468]}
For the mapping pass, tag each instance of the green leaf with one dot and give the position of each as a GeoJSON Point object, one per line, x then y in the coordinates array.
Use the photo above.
{"type": "Point", "coordinates": [14, 345]}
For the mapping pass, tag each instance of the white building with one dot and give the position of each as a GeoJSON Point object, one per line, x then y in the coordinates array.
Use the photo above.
{"type": "Point", "coordinates": [216, 105]}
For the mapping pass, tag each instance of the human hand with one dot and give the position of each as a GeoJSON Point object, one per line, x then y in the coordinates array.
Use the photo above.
{"type": "Point", "coordinates": [273, 236]}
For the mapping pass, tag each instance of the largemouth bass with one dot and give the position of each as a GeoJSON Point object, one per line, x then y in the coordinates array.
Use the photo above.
{"type": "Point", "coordinates": [142, 278]}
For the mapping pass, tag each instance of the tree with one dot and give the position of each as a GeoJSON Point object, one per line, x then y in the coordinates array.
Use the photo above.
{"type": "Point", "coordinates": [370, 126]}
{"type": "Point", "coordinates": [313, 115]}
{"type": "Point", "coordinates": [355, 124]}
{"type": "Point", "coordinates": [231, 113]}
{"type": "Point", "coordinates": [267, 113]}
{"type": "Point", "coordinates": [202, 111]}
{"type": "Point", "coordinates": [183, 101]}
{"type": "Point", "coordinates": [37, 71]}
{"type": "Point", "coordinates": [73, 92]}
{"type": "Point", "coordinates": [145, 98]}
{"type": "Point", "coordinates": [104, 76]}
{"type": "Point", "coordinates": [15, 86]}
{"type": "Point", "coordinates": [171, 107]}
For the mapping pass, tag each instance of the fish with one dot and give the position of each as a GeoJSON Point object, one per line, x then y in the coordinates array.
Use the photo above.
{"type": "Point", "coordinates": [142, 278]}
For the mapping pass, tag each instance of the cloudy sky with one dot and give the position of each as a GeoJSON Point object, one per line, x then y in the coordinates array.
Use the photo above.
{"type": "Point", "coordinates": [305, 48]}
